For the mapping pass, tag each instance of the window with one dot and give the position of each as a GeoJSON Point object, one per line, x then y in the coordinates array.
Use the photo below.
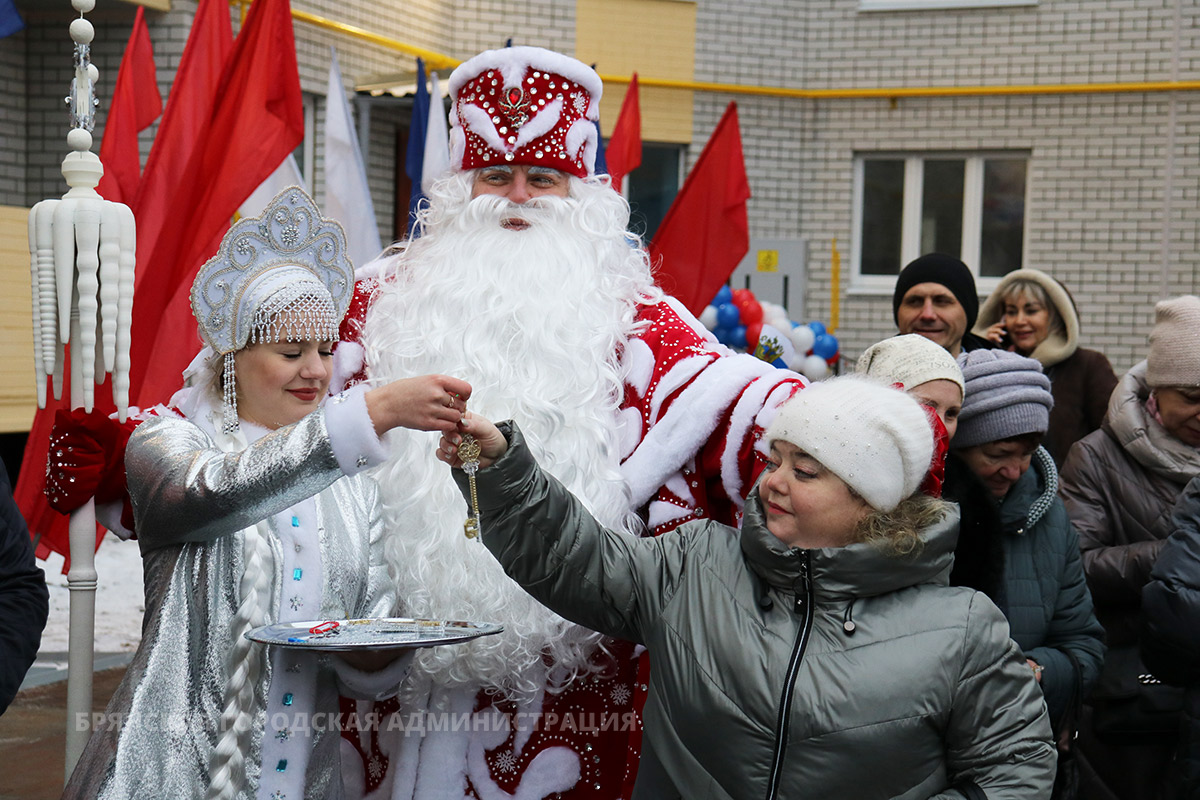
{"type": "Point", "coordinates": [970, 206]}
{"type": "Point", "coordinates": [651, 188]}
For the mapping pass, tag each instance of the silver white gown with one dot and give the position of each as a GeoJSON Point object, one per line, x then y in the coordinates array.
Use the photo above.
{"type": "Point", "coordinates": [194, 503]}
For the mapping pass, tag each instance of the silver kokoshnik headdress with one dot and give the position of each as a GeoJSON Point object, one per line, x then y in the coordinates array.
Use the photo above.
{"type": "Point", "coordinates": [281, 276]}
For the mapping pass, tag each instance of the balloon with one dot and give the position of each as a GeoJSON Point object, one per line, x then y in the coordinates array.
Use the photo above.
{"type": "Point", "coordinates": [708, 317]}
{"type": "Point", "coordinates": [814, 368]}
{"type": "Point", "coordinates": [833, 359]}
{"type": "Point", "coordinates": [742, 296]}
{"type": "Point", "coordinates": [721, 334]}
{"type": "Point", "coordinates": [776, 316]}
{"type": "Point", "coordinates": [728, 316]}
{"type": "Point", "coordinates": [802, 339]}
{"type": "Point", "coordinates": [751, 312]}
{"type": "Point", "coordinates": [737, 337]}
{"type": "Point", "coordinates": [796, 362]}
{"type": "Point", "coordinates": [817, 327]}
{"type": "Point", "coordinates": [753, 329]}
{"type": "Point", "coordinates": [724, 295]}
{"type": "Point", "coordinates": [825, 346]}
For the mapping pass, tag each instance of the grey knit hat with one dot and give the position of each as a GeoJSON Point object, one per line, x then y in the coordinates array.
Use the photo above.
{"type": "Point", "coordinates": [1174, 358]}
{"type": "Point", "coordinates": [1007, 395]}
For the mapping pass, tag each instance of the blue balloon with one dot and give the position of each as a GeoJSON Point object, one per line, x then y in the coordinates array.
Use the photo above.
{"type": "Point", "coordinates": [825, 346]}
{"type": "Point", "coordinates": [818, 328]}
{"type": "Point", "coordinates": [737, 336]}
{"type": "Point", "coordinates": [722, 335]}
{"type": "Point", "coordinates": [728, 315]}
{"type": "Point", "coordinates": [724, 295]}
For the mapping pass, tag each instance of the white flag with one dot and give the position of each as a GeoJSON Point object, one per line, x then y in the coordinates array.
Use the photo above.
{"type": "Point", "coordinates": [285, 175]}
{"type": "Point", "coordinates": [436, 162]}
{"type": "Point", "coordinates": [347, 196]}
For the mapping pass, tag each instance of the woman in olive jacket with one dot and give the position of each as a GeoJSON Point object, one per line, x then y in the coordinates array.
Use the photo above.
{"type": "Point", "coordinates": [817, 652]}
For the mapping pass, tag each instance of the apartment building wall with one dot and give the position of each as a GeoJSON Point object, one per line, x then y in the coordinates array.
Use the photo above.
{"type": "Point", "coordinates": [1098, 216]}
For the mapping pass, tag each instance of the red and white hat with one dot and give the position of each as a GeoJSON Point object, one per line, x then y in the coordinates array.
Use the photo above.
{"type": "Point", "coordinates": [524, 105]}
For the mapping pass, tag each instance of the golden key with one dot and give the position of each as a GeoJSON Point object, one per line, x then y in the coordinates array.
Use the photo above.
{"type": "Point", "coordinates": [468, 452]}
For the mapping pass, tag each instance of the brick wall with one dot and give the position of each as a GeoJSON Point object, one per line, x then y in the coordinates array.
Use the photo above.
{"type": "Point", "coordinates": [1098, 215]}
{"type": "Point", "coordinates": [1098, 162]}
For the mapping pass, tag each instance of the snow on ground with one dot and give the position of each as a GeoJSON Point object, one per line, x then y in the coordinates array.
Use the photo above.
{"type": "Point", "coordinates": [120, 602]}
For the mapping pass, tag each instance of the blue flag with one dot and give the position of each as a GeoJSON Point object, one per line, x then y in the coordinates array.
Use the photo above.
{"type": "Point", "coordinates": [415, 156]}
{"type": "Point", "coordinates": [10, 19]}
{"type": "Point", "coordinates": [601, 161]}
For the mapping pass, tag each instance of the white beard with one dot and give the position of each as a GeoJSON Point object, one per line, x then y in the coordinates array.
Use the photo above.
{"type": "Point", "coordinates": [535, 320]}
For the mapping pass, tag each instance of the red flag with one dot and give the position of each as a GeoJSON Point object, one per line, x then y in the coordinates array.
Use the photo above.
{"type": "Point", "coordinates": [257, 119]}
{"type": "Point", "coordinates": [189, 107]}
{"type": "Point", "coordinates": [624, 150]}
{"type": "Point", "coordinates": [136, 102]}
{"type": "Point", "coordinates": [705, 233]}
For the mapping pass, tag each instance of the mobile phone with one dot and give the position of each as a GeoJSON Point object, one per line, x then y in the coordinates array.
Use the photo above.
{"type": "Point", "coordinates": [1006, 340]}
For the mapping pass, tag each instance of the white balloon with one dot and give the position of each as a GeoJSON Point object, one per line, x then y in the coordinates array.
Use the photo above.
{"type": "Point", "coordinates": [708, 317]}
{"type": "Point", "coordinates": [803, 338]}
{"type": "Point", "coordinates": [814, 368]}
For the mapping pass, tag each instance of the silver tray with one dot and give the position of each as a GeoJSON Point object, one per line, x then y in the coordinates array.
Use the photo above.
{"type": "Point", "coordinates": [371, 634]}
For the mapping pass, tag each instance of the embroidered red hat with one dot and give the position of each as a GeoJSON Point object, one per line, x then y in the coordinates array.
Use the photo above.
{"type": "Point", "coordinates": [524, 105]}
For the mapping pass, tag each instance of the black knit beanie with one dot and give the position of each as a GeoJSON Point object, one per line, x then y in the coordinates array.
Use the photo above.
{"type": "Point", "coordinates": [943, 269]}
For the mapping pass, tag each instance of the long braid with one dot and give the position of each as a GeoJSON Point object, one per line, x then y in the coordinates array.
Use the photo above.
{"type": "Point", "coordinates": [227, 768]}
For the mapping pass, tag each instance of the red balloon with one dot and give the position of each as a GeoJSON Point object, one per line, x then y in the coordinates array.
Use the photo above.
{"type": "Point", "coordinates": [742, 297]}
{"type": "Point", "coordinates": [833, 359]}
{"type": "Point", "coordinates": [751, 312]}
{"type": "Point", "coordinates": [753, 331]}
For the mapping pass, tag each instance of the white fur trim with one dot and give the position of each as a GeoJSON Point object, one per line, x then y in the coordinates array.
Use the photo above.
{"type": "Point", "coordinates": [458, 144]}
{"type": "Point", "coordinates": [639, 366]}
{"type": "Point", "coordinates": [741, 422]}
{"type": "Point", "coordinates": [629, 430]}
{"type": "Point", "coordinates": [347, 362]}
{"type": "Point", "coordinates": [692, 418]}
{"type": "Point", "coordinates": [482, 126]}
{"type": "Point", "coordinates": [351, 432]}
{"type": "Point", "coordinates": [581, 135]}
{"type": "Point", "coordinates": [678, 376]}
{"type": "Point", "coordinates": [514, 62]}
{"type": "Point", "coordinates": [539, 124]}
{"type": "Point", "coordinates": [661, 513]}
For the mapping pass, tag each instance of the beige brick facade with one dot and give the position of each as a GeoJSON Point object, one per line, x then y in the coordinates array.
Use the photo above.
{"type": "Point", "coordinates": [1113, 179]}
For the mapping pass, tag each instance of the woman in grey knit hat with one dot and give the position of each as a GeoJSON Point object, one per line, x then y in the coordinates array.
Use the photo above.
{"type": "Point", "coordinates": [1016, 543]}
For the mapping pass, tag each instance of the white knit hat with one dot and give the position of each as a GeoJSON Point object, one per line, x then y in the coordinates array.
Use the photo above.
{"type": "Point", "coordinates": [910, 360]}
{"type": "Point", "coordinates": [874, 437]}
{"type": "Point", "coordinates": [1174, 358]}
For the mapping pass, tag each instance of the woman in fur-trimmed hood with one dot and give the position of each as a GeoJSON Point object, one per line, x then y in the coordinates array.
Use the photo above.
{"type": "Point", "coordinates": [1032, 314]}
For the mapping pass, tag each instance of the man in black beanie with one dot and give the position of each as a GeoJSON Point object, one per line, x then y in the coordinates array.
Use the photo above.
{"type": "Point", "coordinates": [935, 297]}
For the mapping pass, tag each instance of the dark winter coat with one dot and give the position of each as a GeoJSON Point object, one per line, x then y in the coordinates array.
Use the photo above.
{"type": "Point", "coordinates": [1119, 486]}
{"type": "Point", "coordinates": [1024, 554]}
{"type": "Point", "coordinates": [1171, 629]}
{"type": "Point", "coordinates": [24, 600]}
{"type": "Point", "coordinates": [760, 686]}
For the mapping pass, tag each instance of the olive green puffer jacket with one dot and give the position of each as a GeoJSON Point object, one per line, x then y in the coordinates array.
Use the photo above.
{"type": "Point", "coordinates": [779, 672]}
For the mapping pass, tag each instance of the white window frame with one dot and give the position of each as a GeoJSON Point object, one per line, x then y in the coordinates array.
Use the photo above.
{"type": "Point", "coordinates": [934, 5]}
{"type": "Point", "coordinates": [910, 230]}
